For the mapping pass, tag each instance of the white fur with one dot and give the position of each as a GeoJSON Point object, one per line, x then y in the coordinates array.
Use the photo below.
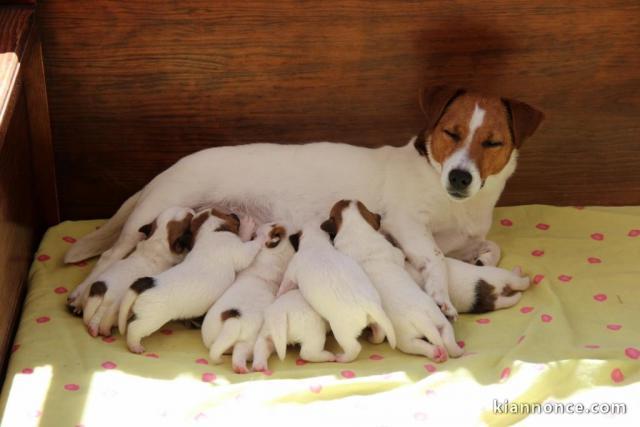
{"type": "Point", "coordinates": [339, 290]}
{"type": "Point", "coordinates": [414, 314]}
{"type": "Point", "coordinates": [151, 256]}
{"type": "Point", "coordinates": [189, 289]}
{"type": "Point", "coordinates": [291, 320]}
{"type": "Point", "coordinates": [253, 291]}
{"type": "Point", "coordinates": [308, 179]}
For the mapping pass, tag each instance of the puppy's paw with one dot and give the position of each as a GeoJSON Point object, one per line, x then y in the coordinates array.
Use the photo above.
{"type": "Point", "coordinates": [344, 358]}
{"type": "Point", "coordinates": [440, 354]}
{"type": "Point", "coordinates": [136, 348]}
{"type": "Point", "coordinates": [260, 366]}
{"type": "Point", "coordinates": [240, 369]}
{"type": "Point", "coordinates": [488, 254]}
{"type": "Point", "coordinates": [93, 331]}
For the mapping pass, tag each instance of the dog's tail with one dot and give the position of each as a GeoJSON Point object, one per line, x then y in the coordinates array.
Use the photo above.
{"type": "Point", "coordinates": [378, 316]}
{"type": "Point", "coordinates": [136, 288]}
{"type": "Point", "coordinates": [276, 322]}
{"type": "Point", "coordinates": [228, 336]}
{"type": "Point", "coordinates": [104, 237]}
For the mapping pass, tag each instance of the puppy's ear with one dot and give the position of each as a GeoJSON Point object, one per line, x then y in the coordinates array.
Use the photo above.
{"type": "Point", "coordinates": [183, 243]}
{"type": "Point", "coordinates": [197, 222]}
{"type": "Point", "coordinates": [378, 221]}
{"type": "Point", "coordinates": [373, 219]}
{"type": "Point", "coordinates": [329, 227]}
{"type": "Point", "coordinates": [434, 102]}
{"type": "Point", "coordinates": [295, 240]}
{"type": "Point", "coordinates": [236, 217]}
{"type": "Point", "coordinates": [179, 234]}
{"type": "Point", "coordinates": [523, 120]}
{"type": "Point", "coordinates": [148, 229]}
{"type": "Point", "coordinates": [276, 235]}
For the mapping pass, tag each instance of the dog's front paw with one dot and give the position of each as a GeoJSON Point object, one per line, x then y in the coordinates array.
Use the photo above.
{"type": "Point", "coordinates": [488, 254]}
{"type": "Point", "coordinates": [136, 348]}
{"type": "Point", "coordinates": [436, 287]}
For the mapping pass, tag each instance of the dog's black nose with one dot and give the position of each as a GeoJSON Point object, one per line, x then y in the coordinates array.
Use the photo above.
{"type": "Point", "coordinates": [459, 179]}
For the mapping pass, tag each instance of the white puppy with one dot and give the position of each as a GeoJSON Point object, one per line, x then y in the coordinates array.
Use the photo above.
{"type": "Point", "coordinates": [414, 314]}
{"type": "Point", "coordinates": [478, 289]}
{"type": "Point", "coordinates": [167, 241]}
{"type": "Point", "coordinates": [236, 318]}
{"type": "Point", "coordinates": [291, 320]}
{"type": "Point", "coordinates": [189, 289]}
{"type": "Point", "coordinates": [337, 288]}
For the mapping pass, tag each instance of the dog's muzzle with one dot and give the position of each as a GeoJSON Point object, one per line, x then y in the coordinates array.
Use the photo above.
{"type": "Point", "coordinates": [459, 182]}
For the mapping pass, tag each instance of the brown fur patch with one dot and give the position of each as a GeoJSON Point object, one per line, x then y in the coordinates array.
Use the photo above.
{"type": "Point", "coordinates": [142, 284]}
{"type": "Point", "coordinates": [231, 221]}
{"type": "Point", "coordinates": [228, 314]}
{"type": "Point", "coordinates": [333, 224]}
{"type": "Point", "coordinates": [176, 234]}
{"type": "Point", "coordinates": [391, 239]}
{"type": "Point", "coordinates": [495, 128]}
{"type": "Point", "coordinates": [98, 289]}
{"type": "Point", "coordinates": [372, 218]}
{"type": "Point", "coordinates": [197, 222]}
{"type": "Point", "coordinates": [507, 291]}
{"type": "Point", "coordinates": [276, 234]}
{"type": "Point", "coordinates": [485, 298]}
{"type": "Point", "coordinates": [148, 229]}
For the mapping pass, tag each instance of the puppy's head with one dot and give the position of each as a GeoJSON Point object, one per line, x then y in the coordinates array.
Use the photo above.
{"type": "Point", "coordinates": [351, 211]}
{"type": "Point", "coordinates": [213, 220]}
{"type": "Point", "coordinates": [469, 137]}
{"type": "Point", "coordinates": [275, 237]}
{"type": "Point", "coordinates": [173, 227]}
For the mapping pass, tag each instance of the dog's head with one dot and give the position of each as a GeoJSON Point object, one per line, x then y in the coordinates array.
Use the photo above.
{"type": "Point", "coordinates": [352, 211]}
{"type": "Point", "coordinates": [275, 236]}
{"type": "Point", "coordinates": [213, 220]}
{"type": "Point", "coordinates": [173, 227]}
{"type": "Point", "coordinates": [469, 138]}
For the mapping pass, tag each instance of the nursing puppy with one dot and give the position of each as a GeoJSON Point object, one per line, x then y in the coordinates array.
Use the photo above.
{"type": "Point", "coordinates": [291, 320]}
{"type": "Point", "coordinates": [167, 241]}
{"type": "Point", "coordinates": [480, 289]}
{"type": "Point", "coordinates": [415, 316]}
{"type": "Point", "coordinates": [436, 192]}
{"type": "Point", "coordinates": [236, 318]}
{"type": "Point", "coordinates": [338, 289]}
{"type": "Point", "coordinates": [189, 289]}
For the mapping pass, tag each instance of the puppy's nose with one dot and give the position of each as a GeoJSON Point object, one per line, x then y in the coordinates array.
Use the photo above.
{"type": "Point", "coordinates": [459, 179]}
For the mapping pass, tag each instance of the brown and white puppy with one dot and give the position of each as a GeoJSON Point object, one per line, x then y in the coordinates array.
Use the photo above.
{"type": "Point", "coordinates": [420, 326]}
{"type": "Point", "coordinates": [234, 321]}
{"type": "Point", "coordinates": [166, 244]}
{"type": "Point", "coordinates": [189, 289]}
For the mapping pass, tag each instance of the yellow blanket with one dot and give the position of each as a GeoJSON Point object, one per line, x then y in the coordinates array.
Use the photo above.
{"type": "Point", "coordinates": [574, 339]}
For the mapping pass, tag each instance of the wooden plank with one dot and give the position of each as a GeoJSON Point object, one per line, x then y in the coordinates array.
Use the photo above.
{"type": "Point", "coordinates": [132, 88]}
{"type": "Point", "coordinates": [14, 30]}
{"type": "Point", "coordinates": [40, 133]}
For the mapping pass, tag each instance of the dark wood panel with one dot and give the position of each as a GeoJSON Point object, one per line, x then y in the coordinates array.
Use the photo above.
{"type": "Point", "coordinates": [18, 223]}
{"type": "Point", "coordinates": [133, 86]}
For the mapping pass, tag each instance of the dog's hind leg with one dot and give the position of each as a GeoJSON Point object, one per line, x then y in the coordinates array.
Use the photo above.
{"type": "Point", "coordinates": [347, 338]}
{"type": "Point", "coordinates": [422, 347]}
{"type": "Point", "coordinates": [241, 352]}
{"type": "Point", "coordinates": [262, 350]}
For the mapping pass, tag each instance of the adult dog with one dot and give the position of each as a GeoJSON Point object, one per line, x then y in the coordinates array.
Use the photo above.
{"type": "Point", "coordinates": [436, 193]}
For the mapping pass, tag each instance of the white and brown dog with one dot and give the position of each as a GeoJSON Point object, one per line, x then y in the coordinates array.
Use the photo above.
{"type": "Point", "coordinates": [436, 193]}
{"type": "Point", "coordinates": [339, 290]}
{"type": "Point", "coordinates": [291, 320]}
{"type": "Point", "coordinates": [166, 244]}
{"type": "Point", "coordinates": [190, 288]}
{"type": "Point", "coordinates": [415, 316]}
{"type": "Point", "coordinates": [480, 289]}
{"type": "Point", "coordinates": [235, 319]}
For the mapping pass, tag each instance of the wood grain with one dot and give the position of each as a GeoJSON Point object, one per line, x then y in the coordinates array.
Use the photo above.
{"type": "Point", "coordinates": [17, 223]}
{"type": "Point", "coordinates": [133, 86]}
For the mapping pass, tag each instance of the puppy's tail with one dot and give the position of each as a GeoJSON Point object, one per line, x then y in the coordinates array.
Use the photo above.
{"type": "Point", "coordinates": [276, 322]}
{"type": "Point", "coordinates": [378, 316]}
{"type": "Point", "coordinates": [96, 294]}
{"type": "Point", "coordinates": [104, 237]}
{"type": "Point", "coordinates": [138, 287]}
{"type": "Point", "coordinates": [229, 334]}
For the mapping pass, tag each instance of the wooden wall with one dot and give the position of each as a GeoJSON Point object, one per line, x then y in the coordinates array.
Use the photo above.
{"type": "Point", "coordinates": [135, 85]}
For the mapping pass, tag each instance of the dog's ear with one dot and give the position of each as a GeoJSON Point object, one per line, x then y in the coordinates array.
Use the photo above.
{"type": "Point", "coordinates": [295, 240]}
{"type": "Point", "coordinates": [329, 227]}
{"type": "Point", "coordinates": [183, 243]}
{"type": "Point", "coordinates": [179, 234]}
{"type": "Point", "coordinates": [434, 102]}
{"type": "Point", "coordinates": [276, 235]}
{"type": "Point", "coordinates": [523, 120]}
{"type": "Point", "coordinates": [373, 219]}
{"type": "Point", "coordinates": [197, 222]}
{"type": "Point", "coordinates": [148, 229]}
